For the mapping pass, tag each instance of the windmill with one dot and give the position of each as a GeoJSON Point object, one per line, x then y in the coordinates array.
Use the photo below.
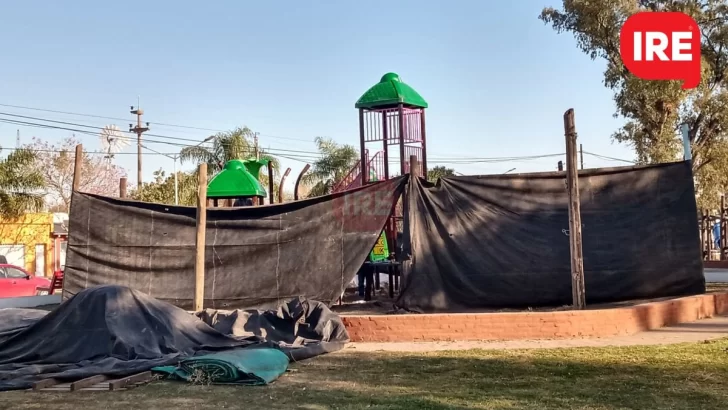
{"type": "Point", "coordinates": [112, 141]}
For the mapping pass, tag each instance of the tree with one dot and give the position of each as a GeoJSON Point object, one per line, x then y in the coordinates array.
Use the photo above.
{"type": "Point", "coordinates": [20, 184]}
{"type": "Point", "coordinates": [161, 190]}
{"type": "Point", "coordinates": [235, 144]}
{"type": "Point", "coordinates": [439, 172]}
{"type": "Point", "coordinates": [336, 161]}
{"type": "Point", "coordinates": [55, 162]}
{"type": "Point", "coordinates": [654, 110]}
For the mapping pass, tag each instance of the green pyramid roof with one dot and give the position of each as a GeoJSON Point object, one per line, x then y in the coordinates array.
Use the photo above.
{"type": "Point", "coordinates": [235, 181]}
{"type": "Point", "coordinates": [390, 91]}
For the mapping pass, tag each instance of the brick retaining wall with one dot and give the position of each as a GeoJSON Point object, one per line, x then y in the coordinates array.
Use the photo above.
{"type": "Point", "coordinates": [534, 325]}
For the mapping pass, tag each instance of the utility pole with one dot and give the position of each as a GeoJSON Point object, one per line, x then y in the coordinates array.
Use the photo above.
{"type": "Point", "coordinates": [257, 151]}
{"type": "Point", "coordinates": [138, 130]}
{"type": "Point", "coordinates": [17, 140]}
{"type": "Point", "coordinates": [581, 155]}
{"type": "Point", "coordinates": [578, 292]}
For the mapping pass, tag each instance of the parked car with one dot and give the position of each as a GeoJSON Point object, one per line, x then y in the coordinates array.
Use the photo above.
{"type": "Point", "coordinates": [16, 282]}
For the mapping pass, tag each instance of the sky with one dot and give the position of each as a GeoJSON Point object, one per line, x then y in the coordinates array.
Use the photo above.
{"type": "Point", "coordinates": [497, 80]}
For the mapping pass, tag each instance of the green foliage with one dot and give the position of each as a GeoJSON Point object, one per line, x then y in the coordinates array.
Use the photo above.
{"type": "Point", "coordinates": [438, 172]}
{"type": "Point", "coordinates": [235, 144]}
{"type": "Point", "coordinates": [161, 190]}
{"type": "Point", "coordinates": [20, 184]}
{"type": "Point", "coordinates": [336, 161]}
{"type": "Point", "coordinates": [654, 110]}
{"type": "Point", "coordinates": [56, 163]}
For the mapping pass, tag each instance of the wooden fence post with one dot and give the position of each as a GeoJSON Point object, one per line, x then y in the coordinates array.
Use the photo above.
{"type": "Point", "coordinates": [271, 194]}
{"type": "Point", "coordinates": [122, 187]}
{"type": "Point", "coordinates": [298, 181]}
{"type": "Point", "coordinates": [200, 239]}
{"type": "Point", "coordinates": [280, 186]}
{"type": "Point", "coordinates": [77, 167]}
{"type": "Point", "coordinates": [578, 292]}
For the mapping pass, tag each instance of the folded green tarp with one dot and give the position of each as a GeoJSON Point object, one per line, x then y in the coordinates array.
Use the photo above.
{"type": "Point", "coordinates": [250, 366]}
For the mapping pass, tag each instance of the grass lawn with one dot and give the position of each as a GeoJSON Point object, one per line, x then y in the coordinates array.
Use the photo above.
{"type": "Point", "coordinates": [686, 376]}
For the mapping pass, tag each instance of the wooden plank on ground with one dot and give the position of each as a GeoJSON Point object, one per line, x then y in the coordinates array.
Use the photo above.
{"type": "Point", "coordinates": [88, 382]}
{"type": "Point", "coordinates": [137, 378]}
{"type": "Point", "coordinates": [42, 384]}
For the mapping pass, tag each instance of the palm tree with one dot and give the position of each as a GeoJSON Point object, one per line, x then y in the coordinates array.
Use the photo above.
{"type": "Point", "coordinates": [19, 184]}
{"type": "Point", "coordinates": [235, 144]}
{"type": "Point", "coordinates": [336, 161]}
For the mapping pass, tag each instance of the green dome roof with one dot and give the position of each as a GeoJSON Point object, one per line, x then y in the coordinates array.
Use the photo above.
{"type": "Point", "coordinates": [235, 180]}
{"type": "Point", "coordinates": [390, 91]}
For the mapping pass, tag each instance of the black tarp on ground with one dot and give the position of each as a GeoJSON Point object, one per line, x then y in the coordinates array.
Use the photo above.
{"type": "Point", "coordinates": [305, 328]}
{"type": "Point", "coordinates": [502, 240]}
{"type": "Point", "coordinates": [255, 257]}
{"type": "Point", "coordinates": [117, 331]}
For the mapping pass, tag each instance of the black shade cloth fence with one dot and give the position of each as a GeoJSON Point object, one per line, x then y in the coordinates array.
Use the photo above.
{"type": "Point", "coordinates": [475, 242]}
{"type": "Point", "coordinates": [255, 257]}
{"type": "Point", "coordinates": [502, 240]}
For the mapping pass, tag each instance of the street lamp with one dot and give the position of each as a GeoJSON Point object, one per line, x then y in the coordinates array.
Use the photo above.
{"type": "Point", "coordinates": [174, 169]}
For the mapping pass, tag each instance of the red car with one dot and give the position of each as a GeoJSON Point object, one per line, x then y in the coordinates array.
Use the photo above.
{"type": "Point", "coordinates": [16, 282]}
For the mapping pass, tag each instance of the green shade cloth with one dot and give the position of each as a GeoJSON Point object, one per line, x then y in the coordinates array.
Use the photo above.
{"type": "Point", "coordinates": [249, 366]}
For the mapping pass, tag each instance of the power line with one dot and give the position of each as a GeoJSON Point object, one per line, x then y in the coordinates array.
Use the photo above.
{"type": "Point", "coordinates": [127, 119]}
{"type": "Point", "coordinates": [609, 158]}
{"type": "Point", "coordinates": [124, 137]}
{"type": "Point", "coordinates": [494, 159]}
{"type": "Point", "coordinates": [167, 154]}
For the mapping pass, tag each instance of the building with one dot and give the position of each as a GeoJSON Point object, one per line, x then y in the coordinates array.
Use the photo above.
{"type": "Point", "coordinates": [35, 241]}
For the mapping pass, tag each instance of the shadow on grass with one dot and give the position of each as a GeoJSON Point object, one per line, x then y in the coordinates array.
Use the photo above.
{"type": "Point", "coordinates": [619, 379]}
{"type": "Point", "coordinates": [688, 376]}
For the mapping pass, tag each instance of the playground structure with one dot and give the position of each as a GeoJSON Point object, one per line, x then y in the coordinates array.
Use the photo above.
{"type": "Point", "coordinates": [238, 184]}
{"type": "Point", "coordinates": [391, 115]}
{"type": "Point", "coordinates": [713, 233]}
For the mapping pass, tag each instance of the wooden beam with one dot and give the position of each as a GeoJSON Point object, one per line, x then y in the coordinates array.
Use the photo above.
{"type": "Point", "coordinates": [137, 378]}
{"type": "Point", "coordinates": [280, 186]}
{"type": "Point", "coordinates": [578, 292]}
{"type": "Point", "coordinates": [271, 194]}
{"type": "Point", "coordinates": [122, 187]}
{"type": "Point", "coordinates": [88, 382]}
{"type": "Point", "coordinates": [45, 383]}
{"type": "Point", "coordinates": [298, 181]}
{"type": "Point", "coordinates": [200, 239]}
{"type": "Point", "coordinates": [77, 167]}
{"type": "Point", "coordinates": [414, 166]}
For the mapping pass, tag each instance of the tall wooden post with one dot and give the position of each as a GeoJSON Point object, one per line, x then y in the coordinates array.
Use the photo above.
{"type": "Point", "coordinates": [572, 181]}
{"type": "Point", "coordinates": [122, 187]}
{"type": "Point", "coordinates": [200, 239]}
{"type": "Point", "coordinates": [271, 194]}
{"type": "Point", "coordinates": [77, 167]}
